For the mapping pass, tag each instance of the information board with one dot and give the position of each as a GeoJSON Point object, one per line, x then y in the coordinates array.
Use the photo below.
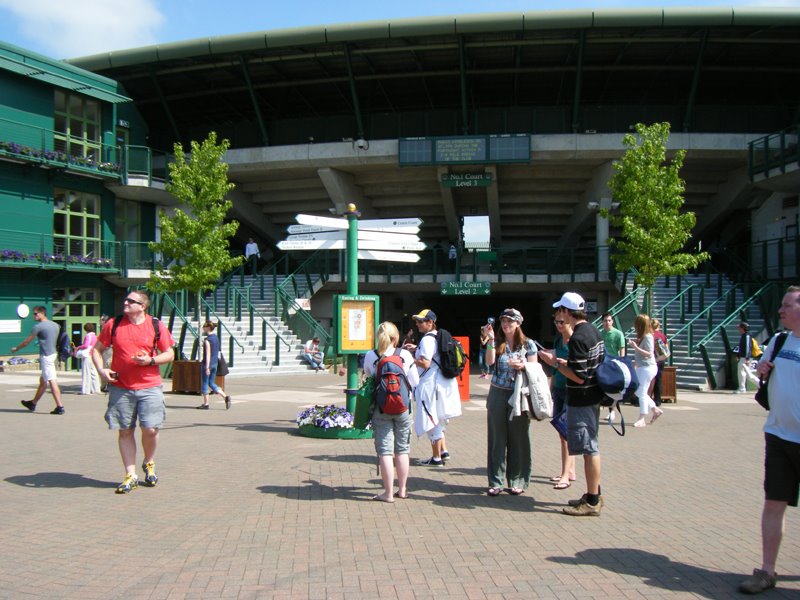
{"type": "Point", "coordinates": [356, 320]}
{"type": "Point", "coordinates": [472, 149]}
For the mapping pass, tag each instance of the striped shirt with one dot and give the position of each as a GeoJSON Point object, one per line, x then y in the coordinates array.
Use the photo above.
{"type": "Point", "coordinates": [586, 352]}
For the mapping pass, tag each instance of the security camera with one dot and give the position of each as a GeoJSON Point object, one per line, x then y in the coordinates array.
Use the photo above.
{"type": "Point", "coordinates": [362, 144]}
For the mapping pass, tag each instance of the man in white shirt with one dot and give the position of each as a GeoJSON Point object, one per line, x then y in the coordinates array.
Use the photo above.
{"type": "Point", "coordinates": [251, 255]}
{"type": "Point", "coordinates": [782, 438]}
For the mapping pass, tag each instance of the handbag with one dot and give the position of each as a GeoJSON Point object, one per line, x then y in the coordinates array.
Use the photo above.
{"type": "Point", "coordinates": [762, 394]}
{"type": "Point", "coordinates": [222, 366]}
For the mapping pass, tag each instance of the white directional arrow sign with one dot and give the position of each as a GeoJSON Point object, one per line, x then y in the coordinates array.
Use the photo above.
{"type": "Point", "coordinates": [315, 224]}
{"type": "Point", "coordinates": [341, 244]}
{"type": "Point", "coordinates": [388, 256]}
{"type": "Point", "coordinates": [379, 236]}
{"type": "Point", "coordinates": [294, 229]}
{"type": "Point", "coordinates": [326, 222]}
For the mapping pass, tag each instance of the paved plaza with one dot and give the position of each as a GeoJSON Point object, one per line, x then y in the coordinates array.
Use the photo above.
{"type": "Point", "coordinates": [245, 508]}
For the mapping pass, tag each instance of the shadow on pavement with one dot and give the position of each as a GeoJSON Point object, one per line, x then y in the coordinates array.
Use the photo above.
{"type": "Point", "coordinates": [58, 480]}
{"type": "Point", "coordinates": [660, 571]}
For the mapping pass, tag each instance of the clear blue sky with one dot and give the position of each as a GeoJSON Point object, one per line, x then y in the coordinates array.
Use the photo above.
{"type": "Point", "coordinates": [72, 28]}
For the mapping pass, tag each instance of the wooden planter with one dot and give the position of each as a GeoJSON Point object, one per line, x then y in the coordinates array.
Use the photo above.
{"type": "Point", "coordinates": [186, 377]}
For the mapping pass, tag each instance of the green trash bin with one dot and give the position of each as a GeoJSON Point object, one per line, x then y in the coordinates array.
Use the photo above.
{"type": "Point", "coordinates": [364, 399]}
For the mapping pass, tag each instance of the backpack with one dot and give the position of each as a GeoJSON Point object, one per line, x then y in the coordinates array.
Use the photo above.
{"type": "Point", "coordinates": [156, 328]}
{"type": "Point", "coordinates": [755, 350]}
{"type": "Point", "coordinates": [63, 346]}
{"type": "Point", "coordinates": [452, 358]}
{"type": "Point", "coordinates": [662, 349]}
{"type": "Point", "coordinates": [392, 390]}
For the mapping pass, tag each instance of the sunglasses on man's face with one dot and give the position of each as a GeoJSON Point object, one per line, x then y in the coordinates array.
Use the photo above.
{"type": "Point", "coordinates": [132, 301]}
{"type": "Point", "coordinates": [558, 322]}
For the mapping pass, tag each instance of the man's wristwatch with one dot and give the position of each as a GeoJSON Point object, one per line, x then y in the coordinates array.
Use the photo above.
{"type": "Point", "coordinates": [152, 361]}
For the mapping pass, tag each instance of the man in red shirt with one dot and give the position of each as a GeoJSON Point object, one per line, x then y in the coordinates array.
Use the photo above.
{"type": "Point", "coordinates": [135, 387]}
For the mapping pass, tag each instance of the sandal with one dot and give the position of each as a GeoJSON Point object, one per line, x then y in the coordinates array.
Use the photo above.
{"type": "Point", "coordinates": [515, 491]}
{"type": "Point", "coordinates": [562, 485]}
{"type": "Point", "coordinates": [494, 491]}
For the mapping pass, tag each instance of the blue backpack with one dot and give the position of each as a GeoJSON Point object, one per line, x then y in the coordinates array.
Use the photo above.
{"type": "Point", "coordinates": [392, 390]}
{"type": "Point", "coordinates": [63, 346]}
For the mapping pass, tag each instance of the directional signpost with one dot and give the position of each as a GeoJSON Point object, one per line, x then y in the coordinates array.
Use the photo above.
{"type": "Point", "coordinates": [388, 240]}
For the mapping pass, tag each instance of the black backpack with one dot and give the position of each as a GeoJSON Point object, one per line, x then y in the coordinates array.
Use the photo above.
{"type": "Point", "coordinates": [156, 328]}
{"type": "Point", "coordinates": [63, 346]}
{"type": "Point", "coordinates": [452, 358]}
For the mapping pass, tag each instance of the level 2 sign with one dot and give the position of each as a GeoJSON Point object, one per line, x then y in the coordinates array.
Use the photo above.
{"type": "Point", "coordinates": [466, 288]}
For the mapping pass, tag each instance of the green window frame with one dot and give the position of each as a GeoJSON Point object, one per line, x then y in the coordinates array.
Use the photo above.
{"type": "Point", "coordinates": [77, 227]}
{"type": "Point", "coordinates": [77, 125]}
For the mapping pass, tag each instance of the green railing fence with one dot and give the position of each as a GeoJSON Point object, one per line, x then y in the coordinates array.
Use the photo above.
{"type": "Point", "coordinates": [771, 154]}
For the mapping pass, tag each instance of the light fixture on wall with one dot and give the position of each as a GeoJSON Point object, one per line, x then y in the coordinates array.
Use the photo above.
{"type": "Point", "coordinates": [361, 144]}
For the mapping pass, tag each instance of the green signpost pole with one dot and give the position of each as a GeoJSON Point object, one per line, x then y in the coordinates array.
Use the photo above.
{"type": "Point", "coordinates": [352, 289]}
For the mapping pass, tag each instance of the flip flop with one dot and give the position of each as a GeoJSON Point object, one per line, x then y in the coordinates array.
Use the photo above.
{"type": "Point", "coordinates": [397, 495]}
{"type": "Point", "coordinates": [656, 415]}
{"type": "Point", "coordinates": [562, 485]}
{"type": "Point", "coordinates": [379, 499]}
{"type": "Point", "coordinates": [516, 491]}
{"type": "Point", "coordinates": [555, 478]}
{"type": "Point", "coordinates": [494, 491]}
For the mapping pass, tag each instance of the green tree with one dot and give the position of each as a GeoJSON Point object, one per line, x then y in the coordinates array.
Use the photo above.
{"type": "Point", "coordinates": [649, 190]}
{"type": "Point", "coordinates": [195, 240]}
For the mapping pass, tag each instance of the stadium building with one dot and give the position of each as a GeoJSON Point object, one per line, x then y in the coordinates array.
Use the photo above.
{"type": "Point", "coordinates": [515, 118]}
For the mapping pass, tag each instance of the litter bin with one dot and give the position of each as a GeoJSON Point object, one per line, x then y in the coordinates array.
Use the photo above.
{"type": "Point", "coordinates": [363, 400]}
{"type": "Point", "coordinates": [669, 384]}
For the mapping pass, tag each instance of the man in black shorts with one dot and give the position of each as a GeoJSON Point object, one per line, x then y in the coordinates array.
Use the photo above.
{"type": "Point", "coordinates": [782, 435]}
{"type": "Point", "coordinates": [586, 352]}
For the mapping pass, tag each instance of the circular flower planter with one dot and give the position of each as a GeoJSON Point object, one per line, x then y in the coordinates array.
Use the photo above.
{"type": "Point", "coordinates": [333, 433]}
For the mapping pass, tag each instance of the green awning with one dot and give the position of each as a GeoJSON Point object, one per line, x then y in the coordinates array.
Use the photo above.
{"type": "Point", "coordinates": [39, 73]}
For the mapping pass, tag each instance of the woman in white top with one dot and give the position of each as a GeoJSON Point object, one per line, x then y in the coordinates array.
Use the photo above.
{"type": "Point", "coordinates": [392, 432]}
{"type": "Point", "coordinates": [646, 368]}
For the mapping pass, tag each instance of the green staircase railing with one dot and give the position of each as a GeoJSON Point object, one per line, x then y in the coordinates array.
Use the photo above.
{"type": "Point", "coordinates": [767, 299]}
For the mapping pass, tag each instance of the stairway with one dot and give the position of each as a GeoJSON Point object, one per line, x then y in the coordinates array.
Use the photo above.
{"type": "Point", "coordinates": [252, 360]}
{"type": "Point", "coordinates": [691, 372]}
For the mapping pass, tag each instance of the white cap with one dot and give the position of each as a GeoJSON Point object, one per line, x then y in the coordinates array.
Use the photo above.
{"type": "Point", "coordinates": [571, 301]}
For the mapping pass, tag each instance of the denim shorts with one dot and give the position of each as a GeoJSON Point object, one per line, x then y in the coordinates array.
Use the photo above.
{"type": "Point", "coordinates": [125, 406]}
{"type": "Point", "coordinates": [392, 433]}
{"type": "Point", "coordinates": [208, 381]}
{"type": "Point", "coordinates": [582, 428]}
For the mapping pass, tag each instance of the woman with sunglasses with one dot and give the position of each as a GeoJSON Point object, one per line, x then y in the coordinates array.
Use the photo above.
{"type": "Point", "coordinates": [509, 444]}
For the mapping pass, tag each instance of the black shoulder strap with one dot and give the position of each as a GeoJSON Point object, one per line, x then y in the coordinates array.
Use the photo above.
{"type": "Point", "coordinates": [780, 339]}
{"type": "Point", "coordinates": [156, 329]}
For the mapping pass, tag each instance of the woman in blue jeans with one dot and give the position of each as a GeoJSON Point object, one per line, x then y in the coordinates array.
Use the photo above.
{"type": "Point", "coordinates": [208, 367]}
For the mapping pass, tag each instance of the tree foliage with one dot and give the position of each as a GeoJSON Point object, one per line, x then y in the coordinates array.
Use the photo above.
{"type": "Point", "coordinates": [649, 191]}
{"type": "Point", "coordinates": [195, 240]}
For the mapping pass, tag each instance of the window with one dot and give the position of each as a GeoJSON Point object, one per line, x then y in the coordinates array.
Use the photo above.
{"type": "Point", "coordinates": [76, 223]}
{"type": "Point", "coordinates": [77, 125]}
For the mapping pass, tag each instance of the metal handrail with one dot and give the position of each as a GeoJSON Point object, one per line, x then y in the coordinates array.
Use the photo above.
{"type": "Point", "coordinates": [735, 315]}
{"type": "Point", "coordinates": [681, 296]}
{"type": "Point", "coordinates": [185, 325]}
{"type": "Point", "coordinates": [209, 312]}
{"type": "Point", "coordinates": [253, 312]}
{"type": "Point", "coordinates": [707, 313]}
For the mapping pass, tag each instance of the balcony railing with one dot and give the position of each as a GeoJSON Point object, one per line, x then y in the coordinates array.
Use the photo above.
{"type": "Point", "coordinates": [24, 249]}
{"type": "Point", "coordinates": [771, 154]}
{"type": "Point", "coordinates": [26, 143]}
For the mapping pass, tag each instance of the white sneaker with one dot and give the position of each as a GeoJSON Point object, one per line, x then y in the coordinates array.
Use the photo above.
{"type": "Point", "coordinates": [611, 416]}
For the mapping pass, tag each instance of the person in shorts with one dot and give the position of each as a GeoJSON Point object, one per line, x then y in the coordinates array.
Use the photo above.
{"type": "Point", "coordinates": [46, 332]}
{"type": "Point", "coordinates": [392, 432]}
{"type": "Point", "coordinates": [586, 352]}
{"type": "Point", "coordinates": [782, 438]}
{"type": "Point", "coordinates": [135, 388]}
